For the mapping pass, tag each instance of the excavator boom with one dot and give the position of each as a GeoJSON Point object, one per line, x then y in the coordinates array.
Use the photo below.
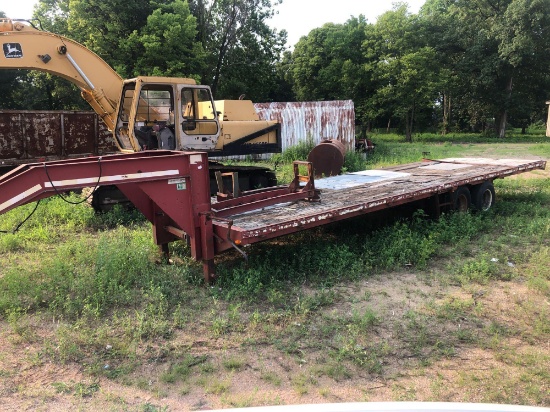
{"type": "Point", "coordinates": [146, 112]}
{"type": "Point", "coordinates": [25, 47]}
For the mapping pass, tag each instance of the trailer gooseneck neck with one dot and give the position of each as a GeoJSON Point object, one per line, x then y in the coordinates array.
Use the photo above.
{"type": "Point", "coordinates": [171, 189]}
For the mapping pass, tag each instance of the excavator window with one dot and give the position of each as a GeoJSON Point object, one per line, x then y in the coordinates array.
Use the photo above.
{"type": "Point", "coordinates": [122, 132]}
{"type": "Point", "coordinates": [155, 112]}
{"type": "Point", "coordinates": [198, 112]}
{"type": "Point", "coordinates": [126, 105]}
{"type": "Point", "coordinates": [156, 104]}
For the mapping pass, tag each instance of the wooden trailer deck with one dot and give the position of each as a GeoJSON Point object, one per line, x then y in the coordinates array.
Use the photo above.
{"type": "Point", "coordinates": [360, 193]}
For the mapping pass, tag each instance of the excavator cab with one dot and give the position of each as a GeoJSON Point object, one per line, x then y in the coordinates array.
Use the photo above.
{"type": "Point", "coordinates": [166, 113]}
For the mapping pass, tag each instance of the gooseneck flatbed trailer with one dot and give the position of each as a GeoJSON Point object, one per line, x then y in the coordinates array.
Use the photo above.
{"type": "Point", "coordinates": [172, 190]}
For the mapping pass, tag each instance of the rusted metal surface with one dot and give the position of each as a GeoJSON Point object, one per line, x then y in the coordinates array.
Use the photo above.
{"type": "Point", "coordinates": [327, 158]}
{"type": "Point", "coordinates": [400, 185]}
{"type": "Point", "coordinates": [30, 136]}
{"type": "Point", "coordinates": [315, 120]}
{"type": "Point", "coordinates": [302, 187]}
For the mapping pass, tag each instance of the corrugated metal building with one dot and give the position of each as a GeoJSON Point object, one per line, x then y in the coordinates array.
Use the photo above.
{"type": "Point", "coordinates": [316, 120]}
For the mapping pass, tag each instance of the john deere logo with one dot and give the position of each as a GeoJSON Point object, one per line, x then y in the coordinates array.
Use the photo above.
{"type": "Point", "coordinates": [13, 51]}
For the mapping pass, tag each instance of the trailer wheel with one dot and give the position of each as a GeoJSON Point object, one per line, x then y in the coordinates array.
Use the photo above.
{"type": "Point", "coordinates": [483, 196]}
{"type": "Point", "coordinates": [461, 199]}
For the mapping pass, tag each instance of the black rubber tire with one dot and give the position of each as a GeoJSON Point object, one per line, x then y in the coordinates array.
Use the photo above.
{"type": "Point", "coordinates": [462, 199]}
{"type": "Point", "coordinates": [483, 196]}
{"type": "Point", "coordinates": [105, 197]}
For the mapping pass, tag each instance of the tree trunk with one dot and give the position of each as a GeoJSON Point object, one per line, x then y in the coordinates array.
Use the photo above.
{"type": "Point", "coordinates": [504, 114]}
{"type": "Point", "coordinates": [501, 127]}
{"type": "Point", "coordinates": [446, 113]}
{"type": "Point", "coordinates": [409, 121]}
{"type": "Point", "coordinates": [389, 124]}
{"type": "Point", "coordinates": [409, 125]}
{"type": "Point", "coordinates": [49, 93]}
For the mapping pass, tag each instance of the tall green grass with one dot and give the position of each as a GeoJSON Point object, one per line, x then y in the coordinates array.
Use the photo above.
{"type": "Point", "coordinates": [74, 259]}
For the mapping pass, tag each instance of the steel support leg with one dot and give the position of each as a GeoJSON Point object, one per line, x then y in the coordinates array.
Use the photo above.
{"type": "Point", "coordinates": [208, 271]}
{"type": "Point", "coordinates": [207, 246]}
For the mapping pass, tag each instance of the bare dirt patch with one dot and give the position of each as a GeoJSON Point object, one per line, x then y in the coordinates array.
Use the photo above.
{"type": "Point", "coordinates": [420, 354]}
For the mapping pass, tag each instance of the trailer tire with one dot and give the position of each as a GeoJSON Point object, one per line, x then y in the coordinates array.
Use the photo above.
{"type": "Point", "coordinates": [462, 199]}
{"type": "Point", "coordinates": [483, 196]}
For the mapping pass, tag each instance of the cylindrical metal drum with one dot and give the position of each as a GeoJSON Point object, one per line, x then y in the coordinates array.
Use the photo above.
{"type": "Point", "coordinates": [327, 158]}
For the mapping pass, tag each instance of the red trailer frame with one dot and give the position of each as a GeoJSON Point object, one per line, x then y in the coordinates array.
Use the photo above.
{"type": "Point", "coordinates": [172, 190]}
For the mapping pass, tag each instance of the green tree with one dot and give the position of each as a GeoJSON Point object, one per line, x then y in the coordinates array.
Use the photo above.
{"type": "Point", "coordinates": [502, 57]}
{"type": "Point", "coordinates": [523, 36]}
{"type": "Point", "coordinates": [52, 15]}
{"type": "Point", "coordinates": [406, 79]}
{"type": "Point", "coordinates": [242, 50]}
{"type": "Point", "coordinates": [439, 30]}
{"type": "Point", "coordinates": [489, 76]}
{"type": "Point", "coordinates": [328, 64]}
{"type": "Point", "coordinates": [411, 84]}
{"type": "Point", "coordinates": [166, 45]}
{"type": "Point", "coordinates": [283, 91]}
{"type": "Point", "coordinates": [104, 25]}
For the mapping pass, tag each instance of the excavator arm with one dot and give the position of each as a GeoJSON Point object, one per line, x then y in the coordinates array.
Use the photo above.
{"type": "Point", "coordinates": [25, 47]}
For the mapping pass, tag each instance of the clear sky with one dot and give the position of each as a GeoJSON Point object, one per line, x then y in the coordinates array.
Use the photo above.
{"type": "Point", "coordinates": [297, 17]}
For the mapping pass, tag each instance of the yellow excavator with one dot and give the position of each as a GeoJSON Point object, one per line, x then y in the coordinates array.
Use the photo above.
{"type": "Point", "coordinates": [147, 113]}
